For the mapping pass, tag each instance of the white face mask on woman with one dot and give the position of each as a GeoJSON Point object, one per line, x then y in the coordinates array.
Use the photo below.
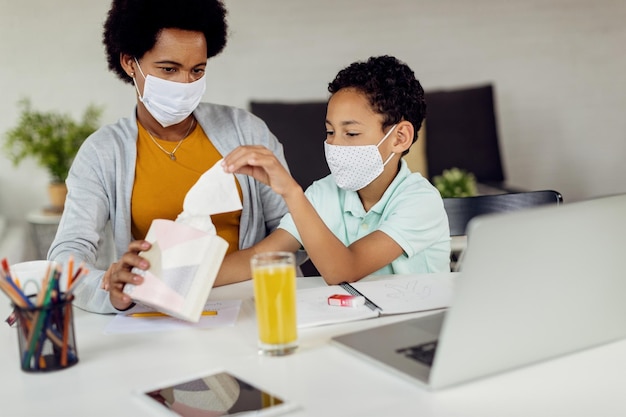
{"type": "Point", "coordinates": [355, 167]}
{"type": "Point", "coordinates": [170, 102]}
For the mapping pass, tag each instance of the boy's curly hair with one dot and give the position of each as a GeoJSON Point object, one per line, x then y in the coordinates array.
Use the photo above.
{"type": "Point", "coordinates": [132, 26]}
{"type": "Point", "coordinates": [390, 86]}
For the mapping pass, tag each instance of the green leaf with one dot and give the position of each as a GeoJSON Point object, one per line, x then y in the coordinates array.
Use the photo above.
{"type": "Point", "coordinates": [50, 138]}
{"type": "Point", "coordinates": [455, 182]}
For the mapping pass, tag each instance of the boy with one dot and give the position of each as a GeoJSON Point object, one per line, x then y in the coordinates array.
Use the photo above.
{"type": "Point", "coordinates": [371, 215]}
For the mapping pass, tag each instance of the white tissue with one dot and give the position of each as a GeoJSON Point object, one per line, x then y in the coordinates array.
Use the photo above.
{"type": "Point", "coordinates": [214, 192]}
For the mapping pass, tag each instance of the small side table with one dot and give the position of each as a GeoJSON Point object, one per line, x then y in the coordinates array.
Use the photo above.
{"type": "Point", "coordinates": [43, 228]}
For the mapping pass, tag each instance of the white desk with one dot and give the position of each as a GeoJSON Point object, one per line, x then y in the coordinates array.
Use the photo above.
{"type": "Point", "coordinates": [323, 379]}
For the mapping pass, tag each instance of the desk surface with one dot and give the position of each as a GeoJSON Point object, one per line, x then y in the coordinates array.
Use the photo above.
{"type": "Point", "coordinates": [323, 379]}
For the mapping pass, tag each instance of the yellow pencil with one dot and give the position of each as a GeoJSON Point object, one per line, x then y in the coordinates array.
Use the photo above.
{"type": "Point", "coordinates": [70, 271]}
{"type": "Point", "coordinates": [158, 314]}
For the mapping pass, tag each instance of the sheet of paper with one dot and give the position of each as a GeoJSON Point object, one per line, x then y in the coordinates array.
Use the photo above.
{"type": "Point", "coordinates": [398, 294]}
{"type": "Point", "coordinates": [227, 312]}
{"type": "Point", "coordinates": [313, 308]}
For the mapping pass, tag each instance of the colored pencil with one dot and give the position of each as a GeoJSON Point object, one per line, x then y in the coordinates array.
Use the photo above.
{"type": "Point", "coordinates": [40, 317]}
{"type": "Point", "coordinates": [159, 314]}
{"type": "Point", "coordinates": [70, 271]}
{"type": "Point", "coordinates": [15, 292]}
{"type": "Point", "coordinates": [10, 291]}
{"type": "Point", "coordinates": [5, 266]}
{"type": "Point", "coordinates": [80, 272]}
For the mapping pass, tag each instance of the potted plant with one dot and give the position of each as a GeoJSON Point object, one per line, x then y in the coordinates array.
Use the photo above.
{"type": "Point", "coordinates": [455, 182]}
{"type": "Point", "coordinates": [52, 139]}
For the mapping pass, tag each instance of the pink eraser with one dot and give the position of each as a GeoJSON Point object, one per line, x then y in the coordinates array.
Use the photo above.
{"type": "Point", "coordinates": [343, 300]}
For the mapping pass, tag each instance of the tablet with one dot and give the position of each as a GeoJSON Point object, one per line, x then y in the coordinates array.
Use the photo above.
{"type": "Point", "coordinates": [218, 394]}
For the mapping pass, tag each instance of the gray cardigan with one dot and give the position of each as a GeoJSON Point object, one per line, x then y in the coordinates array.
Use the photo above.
{"type": "Point", "coordinates": [100, 184]}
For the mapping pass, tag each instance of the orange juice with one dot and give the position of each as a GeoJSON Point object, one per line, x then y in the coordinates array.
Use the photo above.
{"type": "Point", "coordinates": [275, 298]}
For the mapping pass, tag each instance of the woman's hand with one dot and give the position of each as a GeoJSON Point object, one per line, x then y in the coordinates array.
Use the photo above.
{"type": "Point", "coordinates": [119, 274]}
{"type": "Point", "coordinates": [261, 164]}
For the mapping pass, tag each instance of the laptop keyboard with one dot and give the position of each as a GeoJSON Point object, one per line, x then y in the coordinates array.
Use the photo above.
{"type": "Point", "coordinates": [424, 353]}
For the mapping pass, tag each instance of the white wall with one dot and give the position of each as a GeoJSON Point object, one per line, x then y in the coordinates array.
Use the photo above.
{"type": "Point", "coordinates": [559, 69]}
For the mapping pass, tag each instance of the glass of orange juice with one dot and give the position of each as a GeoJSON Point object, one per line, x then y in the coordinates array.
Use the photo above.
{"type": "Point", "coordinates": [274, 277]}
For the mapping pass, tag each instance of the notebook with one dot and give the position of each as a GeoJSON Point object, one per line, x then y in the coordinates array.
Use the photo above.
{"type": "Point", "coordinates": [535, 285]}
{"type": "Point", "coordinates": [383, 295]}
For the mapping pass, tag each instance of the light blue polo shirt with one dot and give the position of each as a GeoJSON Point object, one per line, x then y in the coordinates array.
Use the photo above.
{"type": "Point", "coordinates": [410, 211]}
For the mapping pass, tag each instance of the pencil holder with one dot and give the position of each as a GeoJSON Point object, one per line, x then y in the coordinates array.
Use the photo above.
{"type": "Point", "coordinates": [46, 335]}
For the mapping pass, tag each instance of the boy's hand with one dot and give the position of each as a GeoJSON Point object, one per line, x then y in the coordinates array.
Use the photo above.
{"type": "Point", "coordinates": [261, 164]}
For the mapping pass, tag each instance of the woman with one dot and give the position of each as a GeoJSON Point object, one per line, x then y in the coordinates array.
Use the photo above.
{"type": "Point", "coordinates": [140, 168]}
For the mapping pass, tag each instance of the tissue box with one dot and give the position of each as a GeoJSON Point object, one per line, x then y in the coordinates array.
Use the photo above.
{"type": "Point", "coordinates": [184, 262]}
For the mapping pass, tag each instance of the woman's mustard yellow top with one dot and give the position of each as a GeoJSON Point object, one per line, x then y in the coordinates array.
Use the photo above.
{"type": "Point", "coordinates": [161, 183]}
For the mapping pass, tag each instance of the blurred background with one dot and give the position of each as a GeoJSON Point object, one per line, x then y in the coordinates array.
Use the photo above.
{"type": "Point", "coordinates": [558, 68]}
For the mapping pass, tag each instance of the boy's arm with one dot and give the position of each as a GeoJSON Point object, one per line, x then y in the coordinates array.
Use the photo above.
{"type": "Point", "coordinates": [236, 265]}
{"type": "Point", "coordinates": [335, 262]}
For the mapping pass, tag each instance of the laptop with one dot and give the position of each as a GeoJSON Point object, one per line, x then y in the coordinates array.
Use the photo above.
{"type": "Point", "coordinates": [535, 285]}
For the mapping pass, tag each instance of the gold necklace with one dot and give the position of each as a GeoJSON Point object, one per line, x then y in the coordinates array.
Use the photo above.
{"type": "Point", "coordinates": [180, 142]}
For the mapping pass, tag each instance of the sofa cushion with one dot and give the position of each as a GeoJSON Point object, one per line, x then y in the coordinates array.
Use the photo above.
{"type": "Point", "coordinates": [462, 132]}
{"type": "Point", "coordinates": [300, 127]}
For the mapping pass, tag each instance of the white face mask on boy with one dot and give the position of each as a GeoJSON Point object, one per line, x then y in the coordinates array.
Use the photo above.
{"type": "Point", "coordinates": [170, 102]}
{"type": "Point", "coordinates": [355, 167]}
